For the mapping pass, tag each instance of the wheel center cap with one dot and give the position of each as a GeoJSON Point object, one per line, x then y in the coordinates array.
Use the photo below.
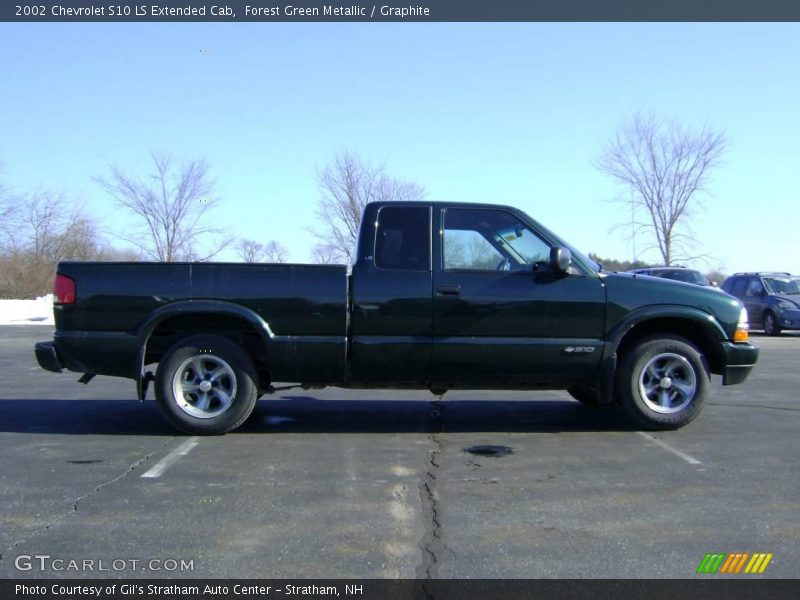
{"type": "Point", "coordinates": [665, 383]}
{"type": "Point", "coordinates": [205, 386]}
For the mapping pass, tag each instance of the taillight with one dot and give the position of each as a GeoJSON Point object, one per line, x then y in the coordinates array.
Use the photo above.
{"type": "Point", "coordinates": [64, 290]}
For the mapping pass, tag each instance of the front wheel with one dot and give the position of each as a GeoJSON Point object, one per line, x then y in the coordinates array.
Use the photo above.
{"type": "Point", "coordinates": [206, 384]}
{"type": "Point", "coordinates": [771, 326]}
{"type": "Point", "coordinates": [663, 382]}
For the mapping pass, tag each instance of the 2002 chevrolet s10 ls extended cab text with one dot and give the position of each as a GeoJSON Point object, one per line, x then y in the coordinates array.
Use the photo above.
{"type": "Point", "coordinates": [441, 296]}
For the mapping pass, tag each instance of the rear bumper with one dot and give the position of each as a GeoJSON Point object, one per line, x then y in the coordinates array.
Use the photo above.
{"type": "Point", "coordinates": [739, 361]}
{"type": "Point", "coordinates": [47, 357]}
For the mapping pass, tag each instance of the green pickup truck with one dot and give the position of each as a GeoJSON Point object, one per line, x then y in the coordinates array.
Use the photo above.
{"type": "Point", "coordinates": [440, 296]}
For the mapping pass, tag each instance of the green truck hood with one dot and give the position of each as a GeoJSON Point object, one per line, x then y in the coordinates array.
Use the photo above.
{"type": "Point", "coordinates": [627, 294]}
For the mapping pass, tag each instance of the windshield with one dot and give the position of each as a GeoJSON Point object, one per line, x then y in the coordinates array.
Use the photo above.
{"type": "Point", "coordinates": [782, 285]}
{"type": "Point", "coordinates": [523, 244]}
{"type": "Point", "coordinates": [559, 241]}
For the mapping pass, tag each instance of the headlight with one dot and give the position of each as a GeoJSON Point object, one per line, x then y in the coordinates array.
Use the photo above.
{"type": "Point", "coordinates": [742, 327]}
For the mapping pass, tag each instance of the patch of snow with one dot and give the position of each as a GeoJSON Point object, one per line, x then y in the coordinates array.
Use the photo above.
{"type": "Point", "coordinates": [27, 312]}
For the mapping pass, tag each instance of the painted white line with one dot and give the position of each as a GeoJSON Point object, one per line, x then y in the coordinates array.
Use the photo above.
{"type": "Point", "coordinates": [691, 460]}
{"type": "Point", "coordinates": [171, 458]}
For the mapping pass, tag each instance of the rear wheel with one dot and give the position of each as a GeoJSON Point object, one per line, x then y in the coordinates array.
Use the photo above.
{"type": "Point", "coordinates": [206, 384]}
{"type": "Point", "coordinates": [771, 326]}
{"type": "Point", "coordinates": [663, 382]}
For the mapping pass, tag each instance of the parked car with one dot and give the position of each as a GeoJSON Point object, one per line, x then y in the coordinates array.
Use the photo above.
{"type": "Point", "coordinates": [772, 299]}
{"type": "Point", "coordinates": [440, 296]}
{"type": "Point", "coordinates": [676, 273]}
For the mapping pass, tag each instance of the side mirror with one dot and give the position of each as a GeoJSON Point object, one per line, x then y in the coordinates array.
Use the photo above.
{"type": "Point", "coordinates": [560, 259]}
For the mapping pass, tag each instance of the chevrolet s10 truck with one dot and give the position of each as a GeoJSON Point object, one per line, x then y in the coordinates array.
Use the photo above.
{"type": "Point", "coordinates": [440, 296]}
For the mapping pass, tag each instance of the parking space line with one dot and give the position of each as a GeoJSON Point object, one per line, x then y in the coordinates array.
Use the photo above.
{"type": "Point", "coordinates": [171, 458]}
{"type": "Point", "coordinates": [691, 460]}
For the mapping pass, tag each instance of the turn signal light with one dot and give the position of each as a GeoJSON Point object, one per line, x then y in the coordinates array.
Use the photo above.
{"type": "Point", "coordinates": [64, 290]}
{"type": "Point", "coordinates": [742, 327]}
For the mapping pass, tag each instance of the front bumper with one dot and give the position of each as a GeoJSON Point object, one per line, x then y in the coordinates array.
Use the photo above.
{"type": "Point", "coordinates": [47, 357]}
{"type": "Point", "coordinates": [789, 319]}
{"type": "Point", "coordinates": [739, 361]}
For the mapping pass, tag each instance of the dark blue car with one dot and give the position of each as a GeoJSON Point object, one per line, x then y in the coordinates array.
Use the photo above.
{"type": "Point", "coordinates": [772, 299]}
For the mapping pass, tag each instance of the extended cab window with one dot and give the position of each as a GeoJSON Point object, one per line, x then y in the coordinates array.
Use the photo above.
{"type": "Point", "coordinates": [490, 240]}
{"type": "Point", "coordinates": [403, 238]}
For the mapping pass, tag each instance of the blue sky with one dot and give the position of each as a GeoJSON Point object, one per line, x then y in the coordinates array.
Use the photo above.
{"type": "Point", "coordinates": [507, 113]}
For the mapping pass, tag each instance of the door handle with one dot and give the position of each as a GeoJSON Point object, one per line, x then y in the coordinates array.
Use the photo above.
{"type": "Point", "coordinates": [448, 290]}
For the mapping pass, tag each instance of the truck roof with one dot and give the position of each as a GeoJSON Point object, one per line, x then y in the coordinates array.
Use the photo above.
{"type": "Point", "coordinates": [442, 204]}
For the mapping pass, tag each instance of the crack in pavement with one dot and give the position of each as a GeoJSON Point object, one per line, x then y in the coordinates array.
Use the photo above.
{"type": "Point", "coordinates": [432, 543]}
{"type": "Point", "coordinates": [59, 519]}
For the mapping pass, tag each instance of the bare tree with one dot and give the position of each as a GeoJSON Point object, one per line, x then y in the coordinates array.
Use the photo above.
{"type": "Point", "coordinates": [41, 224]}
{"type": "Point", "coordinates": [346, 186]}
{"type": "Point", "coordinates": [276, 252]}
{"type": "Point", "coordinates": [665, 167]}
{"type": "Point", "coordinates": [322, 255]}
{"type": "Point", "coordinates": [43, 229]}
{"type": "Point", "coordinates": [172, 205]}
{"type": "Point", "coordinates": [251, 251]}
{"type": "Point", "coordinates": [39, 229]}
{"type": "Point", "coordinates": [8, 208]}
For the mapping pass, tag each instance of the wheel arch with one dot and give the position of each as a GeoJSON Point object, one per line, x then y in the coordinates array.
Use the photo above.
{"type": "Point", "coordinates": [696, 326]}
{"type": "Point", "coordinates": [168, 324]}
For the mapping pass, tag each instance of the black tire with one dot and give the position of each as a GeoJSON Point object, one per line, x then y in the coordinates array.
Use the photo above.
{"type": "Point", "coordinates": [771, 325]}
{"type": "Point", "coordinates": [206, 384]}
{"type": "Point", "coordinates": [662, 382]}
{"type": "Point", "coordinates": [585, 394]}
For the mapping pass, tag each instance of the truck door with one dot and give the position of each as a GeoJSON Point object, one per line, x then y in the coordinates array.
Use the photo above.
{"type": "Point", "coordinates": [392, 300]}
{"type": "Point", "coordinates": [502, 317]}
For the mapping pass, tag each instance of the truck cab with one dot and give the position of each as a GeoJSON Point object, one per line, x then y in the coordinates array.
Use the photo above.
{"type": "Point", "coordinates": [469, 296]}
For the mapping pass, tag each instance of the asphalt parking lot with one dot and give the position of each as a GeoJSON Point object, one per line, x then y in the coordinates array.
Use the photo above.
{"type": "Point", "coordinates": [364, 484]}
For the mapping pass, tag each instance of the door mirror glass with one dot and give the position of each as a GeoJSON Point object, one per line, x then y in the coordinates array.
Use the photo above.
{"type": "Point", "coordinates": [560, 259]}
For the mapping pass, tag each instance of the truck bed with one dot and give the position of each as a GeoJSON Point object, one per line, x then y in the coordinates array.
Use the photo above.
{"type": "Point", "coordinates": [304, 308]}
